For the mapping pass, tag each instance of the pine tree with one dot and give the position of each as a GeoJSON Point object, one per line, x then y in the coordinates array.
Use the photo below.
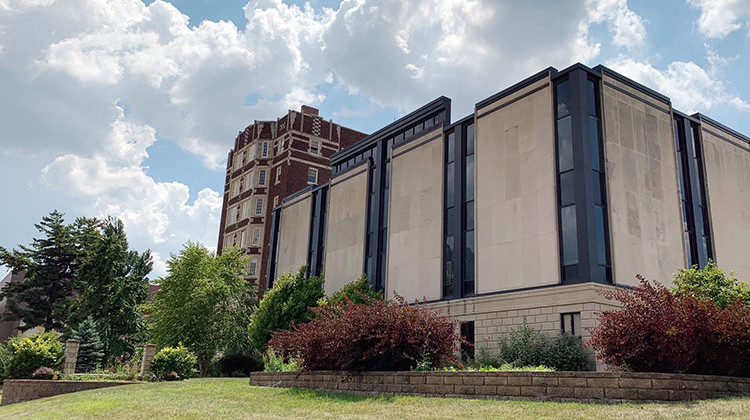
{"type": "Point", "coordinates": [49, 263]}
{"type": "Point", "coordinates": [90, 348]}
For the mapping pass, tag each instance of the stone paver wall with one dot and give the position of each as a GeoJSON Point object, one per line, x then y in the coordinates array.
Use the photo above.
{"type": "Point", "coordinates": [20, 390]}
{"type": "Point", "coordinates": [555, 386]}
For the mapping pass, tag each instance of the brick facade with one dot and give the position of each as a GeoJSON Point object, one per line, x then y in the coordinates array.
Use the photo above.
{"type": "Point", "coordinates": [552, 386]}
{"type": "Point", "coordinates": [288, 142]}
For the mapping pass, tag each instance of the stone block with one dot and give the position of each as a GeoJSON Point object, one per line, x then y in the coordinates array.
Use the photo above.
{"type": "Point", "coordinates": [453, 380]}
{"type": "Point", "coordinates": [561, 392]}
{"type": "Point", "coordinates": [621, 393]}
{"type": "Point", "coordinates": [434, 379]}
{"type": "Point", "coordinates": [486, 390]}
{"type": "Point", "coordinates": [589, 392]}
{"type": "Point", "coordinates": [444, 389]}
{"type": "Point", "coordinates": [464, 389]}
{"type": "Point", "coordinates": [533, 391]}
{"type": "Point", "coordinates": [602, 382]}
{"type": "Point", "coordinates": [653, 394]}
{"type": "Point", "coordinates": [544, 381]}
{"type": "Point", "coordinates": [473, 380]}
{"type": "Point", "coordinates": [495, 380]}
{"type": "Point", "coordinates": [506, 390]}
{"type": "Point", "coordinates": [416, 379]}
{"type": "Point", "coordinates": [519, 380]}
{"type": "Point", "coordinates": [634, 383]}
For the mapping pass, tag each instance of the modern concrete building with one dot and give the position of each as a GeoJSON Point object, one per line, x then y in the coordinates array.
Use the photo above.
{"type": "Point", "coordinates": [269, 161]}
{"type": "Point", "coordinates": [565, 184]}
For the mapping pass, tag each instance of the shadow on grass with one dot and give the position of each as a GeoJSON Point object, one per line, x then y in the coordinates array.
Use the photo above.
{"type": "Point", "coordinates": [336, 396]}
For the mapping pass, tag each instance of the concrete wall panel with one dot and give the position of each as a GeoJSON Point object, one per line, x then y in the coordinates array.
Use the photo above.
{"type": "Point", "coordinates": [516, 199]}
{"type": "Point", "coordinates": [345, 234]}
{"type": "Point", "coordinates": [642, 186]}
{"type": "Point", "coordinates": [416, 219]}
{"type": "Point", "coordinates": [727, 173]}
{"type": "Point", "coordinates": [294, 234]}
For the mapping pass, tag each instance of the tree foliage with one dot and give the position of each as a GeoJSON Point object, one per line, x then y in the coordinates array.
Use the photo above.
{"type": "Point", "coordinates": [371, 336]}
{"type": "Point", "coordinates": [80, 270]}
{"type": "Point", "coordinates": [712, 283]}
{"type": "Point", "coordinates": [90, 346]}
{"type": "Point", "coordinates": [359, 291]}
{"type": "Point", "coordinates": [526, 346]}
{"type": "Point", "coordinates": [289, 301]}
{"type": "Point", "coordinates": [28, 353]}
{"type": "Point", "coordinates": [204, 303]}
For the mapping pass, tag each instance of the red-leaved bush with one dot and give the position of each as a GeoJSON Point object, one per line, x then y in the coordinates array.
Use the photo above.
{"type": "Point", "coordinates": [657, 330]}
{"type": "Point", "coordinates": [373, 336]}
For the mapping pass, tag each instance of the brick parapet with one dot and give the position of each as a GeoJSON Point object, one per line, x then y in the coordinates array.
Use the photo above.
{"type": "Point", "coordinates": [553, 386]}
{"type": "Point", "coordinates": [20, 390]}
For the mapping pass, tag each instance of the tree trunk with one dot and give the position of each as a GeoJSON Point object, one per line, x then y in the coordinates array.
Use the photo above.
{"type": "Point", "coordinates": [203, 361]}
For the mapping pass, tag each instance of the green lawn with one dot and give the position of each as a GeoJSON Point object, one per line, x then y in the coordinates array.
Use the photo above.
{"type": "Point", "coordinates": [234, 398]}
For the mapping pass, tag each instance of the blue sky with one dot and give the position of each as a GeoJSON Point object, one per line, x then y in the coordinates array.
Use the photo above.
{"type": "Point", "coordinates": [128, 108]}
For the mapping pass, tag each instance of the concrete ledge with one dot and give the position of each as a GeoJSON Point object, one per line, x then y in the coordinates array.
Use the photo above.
{"type": "Point", "coordinates": [547, 386]}
{"type": "Point", "coordinates": [20, 390]}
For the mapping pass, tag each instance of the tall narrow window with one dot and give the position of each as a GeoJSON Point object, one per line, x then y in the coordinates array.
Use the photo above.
{"type": "Point", "coordinates": [264, 152]}
{"type": "Point", "coordinates": [250, 181]}
{"type": "Point", "coordinates": [242, 239]}
{"type": "Point", "coordinates": [256, 236]}
{"type": "Point", "coordinates": [696, 227]}
{"type": "Point", "coordinates": [253, 266]}
{"type": "Point", "coordinates": [468, 212]}
{"type": "Point", "coordinates": [278, 175]}
{"type": "Point", "coordinates": [314, 147]}
{"type": "Point", "coordinates": [275, 200]}
{"type": "Point", "coordinates": [258, 206]}
{"type": "Point", "coordinates": [312, 176]}
{"type": "Point", "coordinates": [262, 177]}
{"type": "Point", "coordinates": [449, 263]}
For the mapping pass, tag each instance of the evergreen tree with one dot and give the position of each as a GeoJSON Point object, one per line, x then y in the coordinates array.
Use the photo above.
{"type": "Point", "coordinates": [112, 284]}
{"type": "Point", "coordinates": [90, 347]}
{"type": "Point", "coordinates": [49, 263]}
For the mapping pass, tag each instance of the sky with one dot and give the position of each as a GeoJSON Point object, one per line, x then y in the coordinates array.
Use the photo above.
{"type": "Point", "coordinates": [128, 108]}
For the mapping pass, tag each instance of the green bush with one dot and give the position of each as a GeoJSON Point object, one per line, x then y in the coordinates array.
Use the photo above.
{"type": "Point", "coordinates": [174, 359]}
{"type": "Point", "coordinates": [27, 354]}
{"type": "Point", "coordinates": [275, 363]}
{"type": "Point", "coordinates": [287, 302]}
{"type": "Point", "coordinates": [529, 347]}
{"type": "Point", "coordinates": [357, 291]}
{"type": "Point", "coordinates": [710, 282]}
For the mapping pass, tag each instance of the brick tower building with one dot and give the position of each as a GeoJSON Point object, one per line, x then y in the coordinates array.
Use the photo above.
{"type": "Point", "coordinates": [271, 160]}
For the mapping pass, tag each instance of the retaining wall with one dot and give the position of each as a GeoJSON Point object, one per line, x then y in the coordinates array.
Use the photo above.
{"type": "Point", "coordinates": [555, 386]}
{"type": "Point", "coordinates": [19, 390]}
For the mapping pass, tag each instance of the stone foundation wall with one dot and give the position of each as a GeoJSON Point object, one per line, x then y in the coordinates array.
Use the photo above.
{"type": "Point", "coordinates": [20, 390]}
{"type": "Point", "coordinates": [554, 386]}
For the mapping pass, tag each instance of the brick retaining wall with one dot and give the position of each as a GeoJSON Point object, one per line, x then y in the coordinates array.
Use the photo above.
{"type": "Point", "coordinates": [19, 390]}
{"type": "Point", "coordinates": [555, 386]}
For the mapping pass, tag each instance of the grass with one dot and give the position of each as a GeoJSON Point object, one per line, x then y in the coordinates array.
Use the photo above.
{"type": "Point", "coordinates": [233, 398]}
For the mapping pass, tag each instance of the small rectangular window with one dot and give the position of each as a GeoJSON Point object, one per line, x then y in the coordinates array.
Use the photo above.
{"type": "Point", "coordinates": [312, 176]}
{"type": "Point", "coordinates": [256, 236]}
{"type": "Point", "coordinates": [314, 147]}
{"type": "Point", "coordinates": [275, 200]}
{"type": "Point", "coordinates": [278, 174]}
{"type": "Point", "coordinates": [242, 239]}
{"type": "Point", "coordinates": [264, 152]}
{"type": "Point", "coordinates": [253, 266]}
{"type": "Point", "coordinates": [570, 323]}
{"type": "Point", "coordinates": [258, 206]}
{"type": "Point", "coordinates": [262, 177]}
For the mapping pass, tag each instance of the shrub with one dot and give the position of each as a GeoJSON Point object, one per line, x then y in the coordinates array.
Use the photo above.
{"type": "Point", "coordinates": [43, 372]}
{"type": "Point", "coordinates": [27, 354]}
{"type": "Point", "coordinates": [376, 335]}
{"type": "Point", "coordinates": [174, 359]}
{"type": "Point", "coordinates": [287, 302]}
{"type": "Point", "coordinates": [710, 282]}
{"type": "Point", "coordinates": [275, 363]}
{"type": "Point", "coordinates": [359, 291]}
{"type": "Point", "coordinates": [660, 331]}
{"type": "Point", "coordinates": [237, 365]}
{"type": "Point", "coordinates": [527, 347]}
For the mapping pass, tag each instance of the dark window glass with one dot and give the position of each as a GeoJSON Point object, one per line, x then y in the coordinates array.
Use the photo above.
{"type": "Point", "coordinates": [591, 97]}
{"type": "Point", "coordinates": [567, 188]}
{"type": "Point", "coordinates": [450, 184]}
{"type": "Point", "coordinates": [601, 238]}
{"type": "Point", "coordinates": [468, 287]}
{"type": "Point", "coordinates": [598, 183]}
{"type": "Point", "coordinates": [469, 191]}
{"type": "Point", "coordinates": [563, 99]}
{"type": "Point", "coordinates": [451, 147]}
{"type": "Point", "coordinates": [469, 140]}
{"type": "Point", "coordinates": [450, 213]}
{"type": "Point", "coordinates": [469, 213]}
{"type": "Point", "coordinates": [565, 144]}
{"type": "Point", "coordinates": [569, 235]}
{"type": "Point", "coordinates": [570, 273]}
{"type": "Point", "coordinates": [418, 128]}
{"type": "Point", "coordinates": [467, 347]}
{"type": "Point", "coordinates": [469, 257]}
{"type": "Point", "coordinates": [594, 137]}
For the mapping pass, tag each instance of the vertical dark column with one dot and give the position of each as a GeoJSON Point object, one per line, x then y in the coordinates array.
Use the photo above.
{"type": "Point", "coordinates": [316, 247]}
{"type": "Point", "coordinates": [584, 230]}
{"type": "Point", "coordinates": [452, 218]}
{"type": "Point", "coordinates": [273, 247]}
{"type": "Point", "coordinates": [467, 214]}
{"type": "Point", "coordinates": [374, 185]}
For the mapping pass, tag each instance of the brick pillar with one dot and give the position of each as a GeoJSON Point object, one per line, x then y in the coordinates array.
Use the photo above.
{"type": "Point", "coordinates": [71, 356]}
{"type": "Point", "coordinates": [148, 355]}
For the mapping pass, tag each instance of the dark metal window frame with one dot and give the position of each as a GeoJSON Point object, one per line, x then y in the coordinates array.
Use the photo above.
{"type": "Point", "coordinates": [586, 189]}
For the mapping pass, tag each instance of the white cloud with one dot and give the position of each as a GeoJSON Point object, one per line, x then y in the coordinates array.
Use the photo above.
{"type": "Point", "coordinates": [626, 26]}
{"type": "Point", "coordinates": [115, 184]}
{"type": "Point", "coordinates": [719, 18]}
{"type": "Point", "coordinates": [691, 87]}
